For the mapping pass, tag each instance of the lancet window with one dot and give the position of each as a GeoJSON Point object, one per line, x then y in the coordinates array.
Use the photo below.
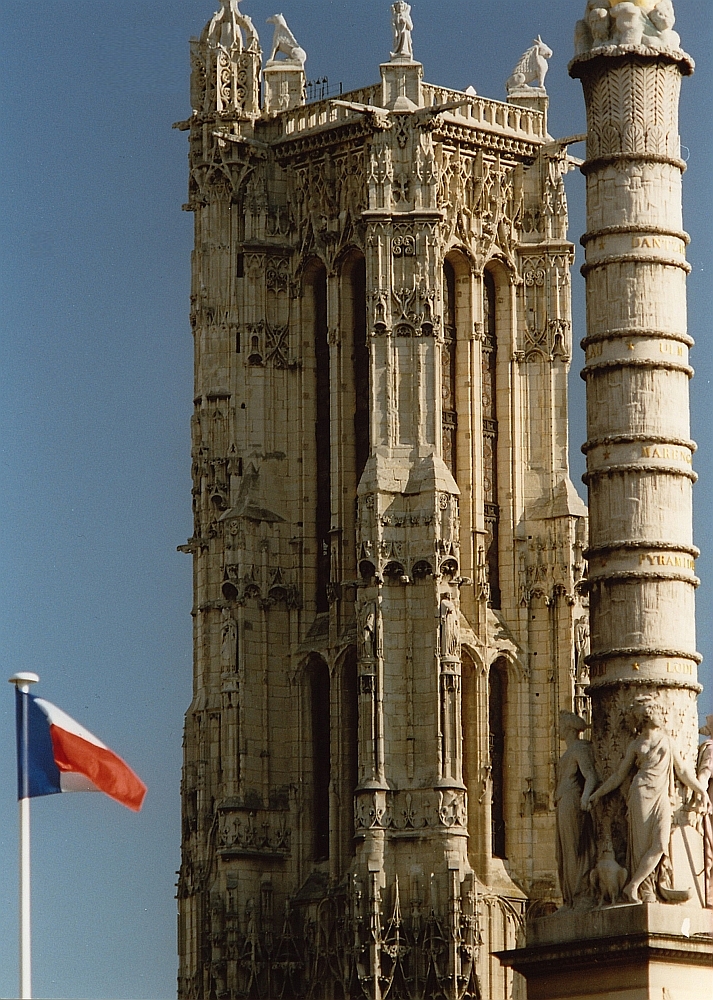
{"type": "Point", "coordinates": [497, 703]}
{"type": "Point", "coordinates": [449, 414]}
{"type": "Point", "coordinates": [321, 761]}
{"type": "Point", "coordinates": [349, 753]}
{"type": "Point", "coordinates": [360, 361]}
{"type": "Point", "coordinates": [322, 434]}
{"type": "Point", "coordinates": [490, 437]}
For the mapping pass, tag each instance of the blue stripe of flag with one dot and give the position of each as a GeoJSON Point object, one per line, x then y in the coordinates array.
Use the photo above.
{"type": "Point", "coordinates": [37, 773]}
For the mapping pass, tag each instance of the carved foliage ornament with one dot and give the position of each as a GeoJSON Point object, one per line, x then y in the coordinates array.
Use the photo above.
{"type": "Point", "coordinates": [400, 811]}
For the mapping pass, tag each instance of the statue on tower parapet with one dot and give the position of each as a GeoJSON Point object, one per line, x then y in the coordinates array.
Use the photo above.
{"type": "Point", "coordinates": [531, 69]}
{"type": "Point", "coordinates": [285, 79]}
{"type": "Point", "coordinates": [403, 26]}
{"type": "Point", "coordinates": [284, 41]}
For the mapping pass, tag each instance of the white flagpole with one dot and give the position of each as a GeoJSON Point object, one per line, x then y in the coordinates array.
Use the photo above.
{"type": "Point", "coordinates": [22, 682]}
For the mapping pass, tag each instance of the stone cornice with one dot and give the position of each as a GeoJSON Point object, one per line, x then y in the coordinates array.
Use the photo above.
{"type": "Point", "coordinates": [588, 61]}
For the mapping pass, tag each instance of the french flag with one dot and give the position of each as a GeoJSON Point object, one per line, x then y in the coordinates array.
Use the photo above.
{"type": "Point", "coordinates": [56, 754]}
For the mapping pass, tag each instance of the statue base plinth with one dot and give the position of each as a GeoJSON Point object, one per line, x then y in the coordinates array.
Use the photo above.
{"type": "Point", "coordinates": [645, 951]}
{"type": "Point", "coordinates": [401, 80]}
{"type": "Point", "coordinates": [532, 98]}
{"type": "Point", "coordinates": [284, 86]}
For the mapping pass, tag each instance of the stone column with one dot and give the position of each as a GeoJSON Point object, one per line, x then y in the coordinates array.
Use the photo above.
{"type": "Point", "coordinates": [639, 453]}
{"type": "Point", "coordinates": [642, 579]}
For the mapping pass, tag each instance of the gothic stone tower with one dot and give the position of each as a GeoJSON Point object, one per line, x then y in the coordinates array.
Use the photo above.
{"type": "Point", "coordinates": [388, 551]}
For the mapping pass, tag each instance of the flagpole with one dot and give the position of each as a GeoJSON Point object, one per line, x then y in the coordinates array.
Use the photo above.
{"type": "Point", "coordinates": [22, 682]}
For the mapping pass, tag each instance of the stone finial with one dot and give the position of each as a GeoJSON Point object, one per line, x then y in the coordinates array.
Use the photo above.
{"type": "Point", "coordinates": [531, 69]}
{"type": "Point", "coordinates": [226, 63]}
{"type": "Point", "coordinates": [226, 27]}
{"type": "Point", "coordinates": [403, 26]}
{"type": "Point", "coordinates": [285, 42]}
{"type": "Point", "coordinates": [646, 24]}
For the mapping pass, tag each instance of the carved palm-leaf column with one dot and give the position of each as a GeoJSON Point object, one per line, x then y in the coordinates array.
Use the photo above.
{"type": "Point", "coordinates": [642, 576]}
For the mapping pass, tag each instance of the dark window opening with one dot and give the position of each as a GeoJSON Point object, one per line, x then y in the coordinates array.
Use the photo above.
{"type": "Point", "coordinates": [320, 711]}
{"type": "Point", "coordinates": [449, 416]}
{"type": "Point", "coordinates": [350, 731]}
{"type": "Point", "coordinates": [469, 698]}
{"type": "Point", "coordinates": [362, 436]}
{"type": "Point", "coordinates": [490, 440]}
{"type": "Point", "coordinates": [323, 437]}
{"type": "Point", "coordinates": [496, 723]}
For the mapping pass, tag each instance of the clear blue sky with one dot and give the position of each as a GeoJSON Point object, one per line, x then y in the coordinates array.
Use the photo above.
{"type": "Point", "coordinates": [95, 402]}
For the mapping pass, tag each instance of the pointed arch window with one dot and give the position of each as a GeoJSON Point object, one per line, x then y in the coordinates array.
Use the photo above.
{"type": "Point", "coordinates": [360, 362]}
{"type": "Point", "coordinates": [323, 434]}
{"type": "Point", "coordinates": [449, 414]}
{"type": "Point", "coordinates": [497, 702]}
{"type": "Point", "coordinates": [320, 708]}
{"type": "Point", "coordinates": [490, 438]}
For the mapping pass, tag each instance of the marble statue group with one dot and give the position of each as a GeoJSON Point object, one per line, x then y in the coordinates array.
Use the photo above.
{"type": "Point", "coordinates": [619, 22]}
{"type": "Point", "coordinates": [651, 765]}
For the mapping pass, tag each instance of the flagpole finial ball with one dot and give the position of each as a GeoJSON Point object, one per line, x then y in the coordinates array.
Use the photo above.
{"type": "Point", "coordinates": [24, 678]}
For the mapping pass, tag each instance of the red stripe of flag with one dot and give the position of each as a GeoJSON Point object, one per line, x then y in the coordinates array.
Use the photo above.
{"type": "Point", "coordinates": [108, 772]}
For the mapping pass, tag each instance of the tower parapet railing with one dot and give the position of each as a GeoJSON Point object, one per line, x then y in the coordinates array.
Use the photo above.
{"type": "Point", "coordinates": [480, 112]}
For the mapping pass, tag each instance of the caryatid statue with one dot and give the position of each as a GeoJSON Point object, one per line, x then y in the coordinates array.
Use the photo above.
{"type": "Point", "coordinates": [576, 780]}
{"type": "Point", "coordinates": [655, 760]}
{"type": "Point", "coordinates": [403, 26]}
{"type": "Point", "coordinates": [704, 770]}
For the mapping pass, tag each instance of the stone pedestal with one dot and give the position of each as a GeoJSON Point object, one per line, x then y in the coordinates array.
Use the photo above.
{"type": "Point", "coordinates": [401, 79]}
{"type": "Point", "coordinates": [632, 952]}
{"type": "Point", "coordinates": [533, 98]}
{"type": "Point", "coordinates": [284, 86]}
